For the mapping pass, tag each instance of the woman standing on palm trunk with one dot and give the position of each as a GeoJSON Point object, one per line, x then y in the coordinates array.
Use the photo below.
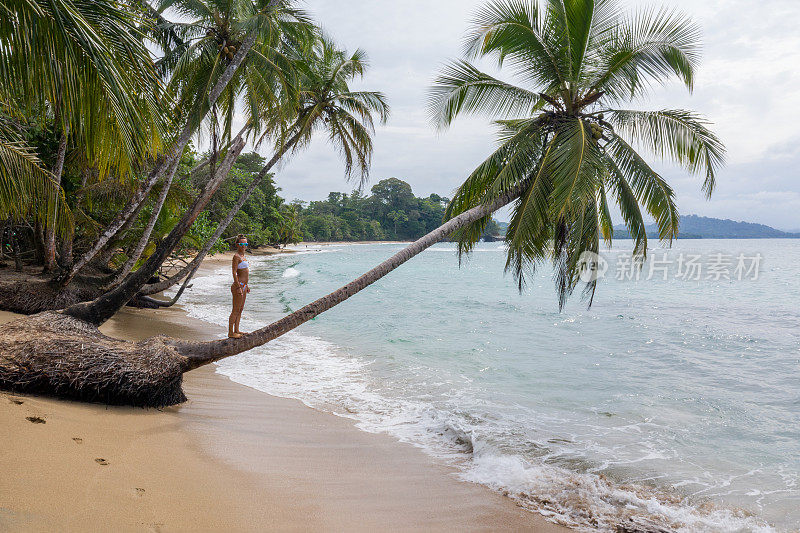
{"type": "Point", "coordinates": [240, 287]}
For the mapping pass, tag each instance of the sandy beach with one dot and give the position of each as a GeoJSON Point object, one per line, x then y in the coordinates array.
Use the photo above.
{"type": "Point", "coordinates": [229, 459]}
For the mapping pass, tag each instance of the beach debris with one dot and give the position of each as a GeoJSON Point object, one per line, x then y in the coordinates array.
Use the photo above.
{"type": "Point", "coordinates": [77, 440]}
{"type": "Point", "coordinates": [139, 491]}
{"type": "Point", "coordinates": [35, 420]}
{"type": "Point", "coordinates": [16, 401]}
{"type": "Point", "coordinates": [101, 461]}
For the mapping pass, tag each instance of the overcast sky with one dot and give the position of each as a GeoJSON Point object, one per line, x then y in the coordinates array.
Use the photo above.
{"type": "Point", "coordinates": [748, 86]}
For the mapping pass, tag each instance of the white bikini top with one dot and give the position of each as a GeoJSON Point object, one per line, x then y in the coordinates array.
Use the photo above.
{"type": "Point", "coordinates": [243, 264]}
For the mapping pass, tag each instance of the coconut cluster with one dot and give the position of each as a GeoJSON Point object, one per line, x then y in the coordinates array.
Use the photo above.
{"type": "Point", "coordinates": [227, 49]}
{"type": "Point", "coordinates": [553, 119]}
{"type": "Point", "coordinates": [226, 46]}
{"type": "Point", "coordinates": [597, 131]}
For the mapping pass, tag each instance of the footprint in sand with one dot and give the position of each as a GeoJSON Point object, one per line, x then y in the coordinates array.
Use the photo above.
{"type": "Point", "coordinates": [16, 401]}
{"type": "Point", "coordinates": [101, 461]}
{"type": "Point", "coordinates": [35, 419]}
{"type": "Point", "coordinates": [139, 492]}
{"type": "Point", "coordinates": [77, 440]}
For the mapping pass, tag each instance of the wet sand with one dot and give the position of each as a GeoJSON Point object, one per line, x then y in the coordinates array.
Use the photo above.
{"type": "Point", "coordinates": [229, 459]}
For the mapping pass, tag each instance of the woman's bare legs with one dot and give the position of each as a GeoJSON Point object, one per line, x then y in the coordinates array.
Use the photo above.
{"type": "Point", "coordinates": [243, 298]}
{"type": "Point", "coordinates": [236, 313]}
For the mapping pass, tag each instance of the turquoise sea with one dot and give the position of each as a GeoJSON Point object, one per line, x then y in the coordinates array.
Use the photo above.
{"type": "Point", "coordinates": [674, 399]}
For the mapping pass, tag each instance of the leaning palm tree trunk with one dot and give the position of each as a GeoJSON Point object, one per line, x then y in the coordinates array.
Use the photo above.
{"type": "Point", "coordinates": [163, 285]}
{"type": "Point", "coordinates": [199, 354]}
{"type": "Point", "coordinates": [60, 353]}
{"type": "Point", "coordinates": [148, 230]}
{"type": "Point", "coordinates": [153, 303]}
{"type": "Point", "coordinates": [165, 164]}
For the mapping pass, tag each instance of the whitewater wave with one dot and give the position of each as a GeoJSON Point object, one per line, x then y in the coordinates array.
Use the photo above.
{"type": "Point", "coordinates": [290, 273]}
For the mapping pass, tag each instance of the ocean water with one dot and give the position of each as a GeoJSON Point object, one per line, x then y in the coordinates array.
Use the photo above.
{"type": "Point", "coordinates": [672, 400]}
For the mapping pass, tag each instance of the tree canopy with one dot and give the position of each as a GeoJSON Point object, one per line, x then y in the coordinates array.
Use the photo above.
{"type": "Point", "coordinates": [566, 143]}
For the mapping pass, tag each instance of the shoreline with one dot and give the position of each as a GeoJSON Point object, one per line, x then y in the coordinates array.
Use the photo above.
{"type": "Point", "coordinates": [231, 458]}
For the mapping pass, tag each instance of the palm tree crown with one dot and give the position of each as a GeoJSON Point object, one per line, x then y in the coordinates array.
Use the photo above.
{"type": "Point", "coordinates": [197, 51]}
{"type": "Point", "coordinates": [326, 103]}
{"type": "Point", "coordinates": [564, 140]}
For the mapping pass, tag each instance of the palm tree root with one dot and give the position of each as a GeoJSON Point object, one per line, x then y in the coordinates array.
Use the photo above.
{"type": "Point", "coordinates": [36, 296]}
{"type": "Point", "coordinates": [54, 354]}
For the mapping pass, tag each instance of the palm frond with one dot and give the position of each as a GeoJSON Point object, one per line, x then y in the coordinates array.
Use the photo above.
{"type": "Point", "coordinates": [677, 135]}
{"type": "Point", "coordinates": [514, 31]}
{"type": "Point", "coordinates": [650, 188]}
{"type": "Point", "coordinates": [650, 46]}
{"type": "Point", "coordinates": [27, 189]}
{"type": "Point", "coordinates": [462, 88]}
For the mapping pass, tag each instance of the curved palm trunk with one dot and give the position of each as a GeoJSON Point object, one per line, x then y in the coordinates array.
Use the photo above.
{"type": "Point", "coordinates": [128, 266]}
{"type": "Point", "coordinates": [107, 254]}
{"type": "Point", "coordinates": [160, 286]}
{"type": "Point", "coordinates": [199, 354]}
{"type": "Point", "coordinates": [147, 301]}
{"type": "Point", "coordinates": [50, 231]}
{"type": "Point", "coordinates": [101, 309]}
{"type": "Point", "coordinates": [148, 230]}
{"type": "Point", "coordinates": [164, 164]}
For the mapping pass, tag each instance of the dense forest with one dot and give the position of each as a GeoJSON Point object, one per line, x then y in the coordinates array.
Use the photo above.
{"type": "Point", "coordinates": [390, 212]}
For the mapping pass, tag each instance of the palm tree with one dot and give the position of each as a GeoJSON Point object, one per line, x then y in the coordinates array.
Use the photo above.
{"type": "Point", "coordinates": [563, 141]}
{"type": "Point", "coordinates": [264, 85]}
{"type": "Point", "coordinates": [81, 66]}
{"type": "Point", "coordinates": [202, 71]}
{"type": "Point", "coordinates": [564, 137]}
{"type": "Point", "coordinates": [326, 104]}
{"type": "Point", "coordinates": [582, 57]}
